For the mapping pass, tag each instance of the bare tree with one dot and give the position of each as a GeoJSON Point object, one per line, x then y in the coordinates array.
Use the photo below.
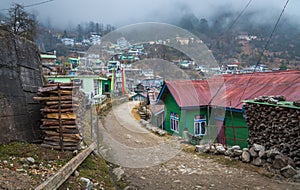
{"type": "Point", "coordinates": [21, 23]}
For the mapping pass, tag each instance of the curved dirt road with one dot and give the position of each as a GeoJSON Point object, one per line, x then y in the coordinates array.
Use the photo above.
{"type": "Point", "coordinates": [152, 162]}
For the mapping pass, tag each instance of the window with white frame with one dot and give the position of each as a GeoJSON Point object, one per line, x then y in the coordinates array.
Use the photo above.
{"type": "Point", "coordinates": [174, 122]}
{"type": "Point", "coordinates": [199, 125]}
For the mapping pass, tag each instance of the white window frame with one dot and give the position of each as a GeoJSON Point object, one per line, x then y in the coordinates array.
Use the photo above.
{"type": "Point", "coordinates": [199, 122]}
{"type": "Point", "coordinates": [174, 122]}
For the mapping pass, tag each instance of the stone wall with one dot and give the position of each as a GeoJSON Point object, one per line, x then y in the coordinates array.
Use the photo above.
{"type": "Point", "coordinates": [20, 76]}
{"type": "Point", "coordinates": [271, 160]}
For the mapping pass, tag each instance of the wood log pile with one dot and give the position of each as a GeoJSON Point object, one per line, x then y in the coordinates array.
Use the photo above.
{"type": "Point", "coordinates": [63, 113]}
{"type": "Point", "coordinates": [274, 126]}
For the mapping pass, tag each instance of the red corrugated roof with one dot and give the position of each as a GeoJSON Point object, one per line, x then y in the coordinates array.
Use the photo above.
{"type": "Point", "coordinates": [189, 92]}
{"type": "Point", "coordinates": [237, 88]}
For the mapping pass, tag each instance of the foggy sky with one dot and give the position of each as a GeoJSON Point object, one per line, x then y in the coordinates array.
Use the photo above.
{"type": "Point", "coordinates": [69, 13]}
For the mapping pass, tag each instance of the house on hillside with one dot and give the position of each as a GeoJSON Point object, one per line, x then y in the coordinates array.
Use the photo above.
{"type": "Point", "coordinates": [141, 96]}
{"type": "Point", "coordinates": [90, 84]}
{"type": "Point", "coordinates": [49, 66]}
{"type": "Point", "coordinates": [139, 88]}
{"type": "Point", "coordinates": [206, 110]}
{"type": "Point", "coordinates": [156, 81]}
{"type": "Point", "coordinates": [106, 86]}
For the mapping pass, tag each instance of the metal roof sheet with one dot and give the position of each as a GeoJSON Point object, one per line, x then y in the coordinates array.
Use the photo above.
{"type": "Point", "coordinates": [236, 88]}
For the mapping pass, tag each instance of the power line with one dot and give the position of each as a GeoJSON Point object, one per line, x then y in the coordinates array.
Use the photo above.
{"type": "Point", "coordinates": [238, 17]}
{"type": "Point", "coordinates": [229, 28]}
{"type": "Point", "coordinates": [265, 48]}
{"type": "Point", "coordinates": [40, 3]}
{"type": "Point", "coordinates": [261, 54]}
{"type": "Point", "coordinates": [31, 5]}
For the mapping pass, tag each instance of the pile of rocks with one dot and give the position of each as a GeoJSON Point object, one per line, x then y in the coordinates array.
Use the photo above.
{"type": "Point", "coordinates": [151, 128]}
{"type": "Point", "coordinates": [272, 159]}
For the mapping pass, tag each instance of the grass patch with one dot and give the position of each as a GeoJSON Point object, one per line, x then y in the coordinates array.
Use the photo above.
{"type": "Point", "coordinates": [50, 161]}
{"type": "Point", "coordinates": [22, 149]}
{"type": "Point", "coordinates": [189, 148]}
{"type": "Point", "coordinates": [47, 161]}
{"type": "Point", "coordinates": [94, 168]}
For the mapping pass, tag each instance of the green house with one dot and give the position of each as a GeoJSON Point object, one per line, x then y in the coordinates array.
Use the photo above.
{"type": "Point", "coordinates": [74, 62]}
{"type": "Point", "coordinates": [106, 86]}
{"type": "Point", "coordinates": [90, 84]}
{"type": "Point", "coordinates": [198, 109]}
{"type": "Point", "coordinates": [187, 114]}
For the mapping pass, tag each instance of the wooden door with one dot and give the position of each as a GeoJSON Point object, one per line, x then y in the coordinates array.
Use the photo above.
{"type": "Point", "coordinates": [221, 130]}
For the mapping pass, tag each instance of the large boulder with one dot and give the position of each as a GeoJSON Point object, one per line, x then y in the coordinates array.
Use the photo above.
{"type": "Point", "coordinates": [203, 148]}
{"type": "Point", "coordinates": [262, 154]}
{"type": "Point", "coordinates": [288, 171]}
{"type": "Point", "coordinates": [237, 152]}
{"type": "Point", "coordinates": [281, 161]}
{"type": "Point", "coordinates": [258, 161]}
{"type": "Point", "coordinates": [253, 153]}
{"type": "Point", "coordinates": [118, 172]}
{"type": "Point", "coordinates": [220, 149]}
{"type": "Point", "coordinates": [246, 156]}
{"type": "Point", "coordinates": [272, 153]}
{"type": "Point", "coordinates": [258, 147]}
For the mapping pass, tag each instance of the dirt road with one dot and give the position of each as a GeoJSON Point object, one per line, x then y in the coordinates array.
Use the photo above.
{"type": "Point", "coordinates": [152, 162]}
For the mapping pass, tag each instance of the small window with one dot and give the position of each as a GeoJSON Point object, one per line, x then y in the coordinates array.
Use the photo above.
{"type": "Point", "coordinates": [174, 122]}
{"type": "Point", "coordinates": [199, 125]}
{"type": "Point", "coordinates": [78, 82]}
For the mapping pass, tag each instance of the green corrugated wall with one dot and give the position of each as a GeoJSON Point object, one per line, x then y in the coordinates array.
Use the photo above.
{"type": "Point", "coordinates": [186, 120]}
{"type": "Point", "coordinates": [171, 106]}
{"type": "Point", "coordinates": [241, 134]}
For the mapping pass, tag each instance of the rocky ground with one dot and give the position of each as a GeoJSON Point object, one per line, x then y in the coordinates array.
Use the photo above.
{"type": "Point", "coordinates": [137, 159]}
{"type": "Point", "coordinates": [186, 169]}
{"type": "Point", "coordinates": [28, 164]}
{"type": "Point", "coordinates": [25, 166]}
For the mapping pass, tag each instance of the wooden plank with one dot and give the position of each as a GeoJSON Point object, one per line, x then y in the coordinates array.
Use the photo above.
{"type": "Point", "coordinates": [64, 173]}
{"type": "Point", "coordinates": [62, 84]}
{"type": "Point", "coordinates": [63, 116]}
{"type": "Point", "coordinates": [54, 122]}
{"type": "Point", "coordinates": [57, 127]}
{"type": "Point", "coordinates": [49, 110]}
{"type": "Point", "coordinates": [53, 98]}
{"type": "Point", "coordinates": [48, 139]}
{"type": "Point", "coordinates": [69, 87]}
{"type": "Point", "coordinates": [56, 102]}
{"type": "Point", "coordinates": [47, 89]}
{"type": "Point", "coordinates": [54, 133]}
{"type": "Point", "coordinates": [58, 147]}
{"type": "Point", "coordinates": [56, 139]}
{"type": "Point", "coordinates": [55, 142]}
{"type": "Point", "coordinates": [63, 106]}
{"type": "Point", "coordinates": [66, 92]}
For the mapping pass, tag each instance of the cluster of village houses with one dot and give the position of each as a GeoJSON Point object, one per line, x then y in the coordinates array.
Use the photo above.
{"type": "Point", "coordinates": [198, 109]}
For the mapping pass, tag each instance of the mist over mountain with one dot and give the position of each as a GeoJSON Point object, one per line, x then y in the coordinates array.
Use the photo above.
{"type": "Point", "coordinates": [221, 33]}
{"type": "Point", "coordinates": [219, 24]}
{"type": "Point", "coordinates": [68, 13]}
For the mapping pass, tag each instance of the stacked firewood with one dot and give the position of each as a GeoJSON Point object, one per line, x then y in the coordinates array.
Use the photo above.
{"type": "Point", "coordinates": [275, 126]}
{"type": "Point", "coordinates": [63, 115]}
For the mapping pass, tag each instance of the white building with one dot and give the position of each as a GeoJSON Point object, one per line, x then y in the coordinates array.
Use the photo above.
{"type": "Point", "coordinates": [68, 41]}
{"type": "Point", "coordinates": [95, 39]}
